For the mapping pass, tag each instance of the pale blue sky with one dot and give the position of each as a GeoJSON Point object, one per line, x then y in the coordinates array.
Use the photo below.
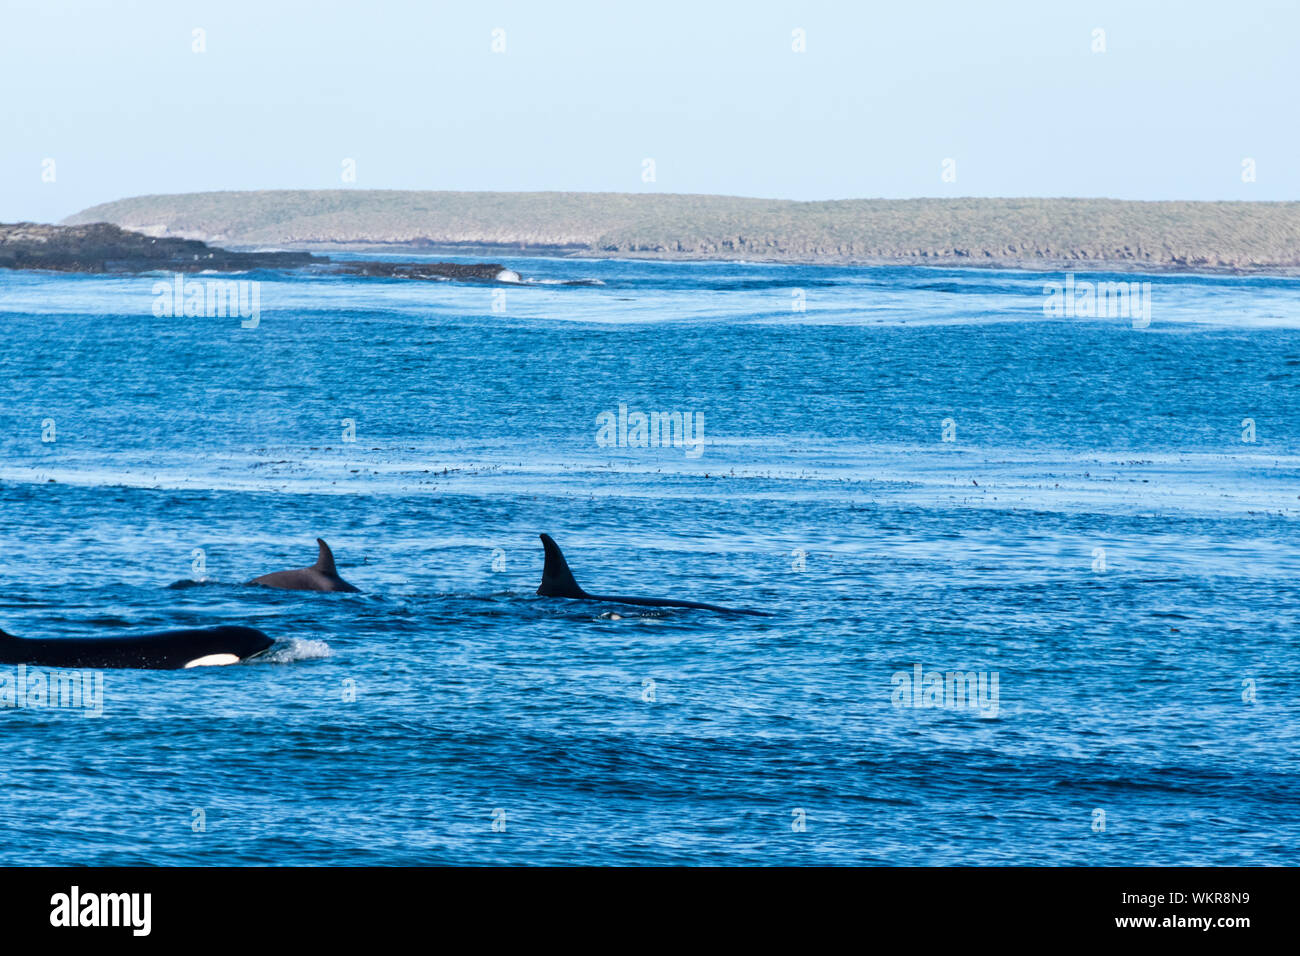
{"type": "Point", "coordinates": [113, 93]}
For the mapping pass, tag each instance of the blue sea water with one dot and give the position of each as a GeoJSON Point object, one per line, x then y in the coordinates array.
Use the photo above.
{"type": "Point", "coordinates": [1098, 535]}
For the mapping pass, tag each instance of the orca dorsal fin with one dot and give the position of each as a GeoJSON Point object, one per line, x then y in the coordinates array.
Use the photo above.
{"type": "Point", "coordinates": [557, 579]}
{"type": "Point", "coordinates": [325, 560]}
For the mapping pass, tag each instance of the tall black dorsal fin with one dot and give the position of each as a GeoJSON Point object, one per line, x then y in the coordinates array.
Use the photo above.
{"type": "Point", "coordinates": [325, 560]}
{"type": "Point", "coordinates": [557, 579]}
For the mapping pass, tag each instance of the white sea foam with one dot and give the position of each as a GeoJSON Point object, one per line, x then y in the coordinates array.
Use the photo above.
{"type": "Point", "coordinates": [296, 649]}
{"type": "Point", "coordinates": [760, 468]}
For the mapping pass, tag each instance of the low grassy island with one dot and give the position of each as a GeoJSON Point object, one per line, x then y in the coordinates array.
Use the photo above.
{"type": "Point", "coordinates": [1102, 234]}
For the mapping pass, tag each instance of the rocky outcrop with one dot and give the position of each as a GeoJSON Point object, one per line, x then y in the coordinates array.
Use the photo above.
{"type": "Point", "coordinates": [464, 271]}
{"type": "Point", "coordinates": [103, 247]}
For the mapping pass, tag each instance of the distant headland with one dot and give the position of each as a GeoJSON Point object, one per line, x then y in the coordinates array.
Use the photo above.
{"type": "Point", "coordinates": [1020, 233]}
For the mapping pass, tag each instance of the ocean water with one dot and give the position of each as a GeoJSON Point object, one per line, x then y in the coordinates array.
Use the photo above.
{"type": "Point", "coordinates": [1098, 537]}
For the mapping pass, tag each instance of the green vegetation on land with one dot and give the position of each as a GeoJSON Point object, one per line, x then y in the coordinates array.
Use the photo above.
{"type": "Point", "coordinates": [1027, 232]}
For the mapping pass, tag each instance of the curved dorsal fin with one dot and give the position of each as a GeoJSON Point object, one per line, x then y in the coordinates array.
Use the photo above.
{"type": "Point", "coordinates": [325, 559]}
{"type": "Point", "coordinates": [557, 579]}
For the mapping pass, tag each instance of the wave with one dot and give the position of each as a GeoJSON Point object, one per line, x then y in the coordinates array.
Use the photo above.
{"type": "Point", "coordinates": [293, 649]}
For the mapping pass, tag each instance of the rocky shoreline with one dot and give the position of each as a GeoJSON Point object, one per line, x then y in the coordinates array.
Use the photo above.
{"type": "Point", "coordinates": [1039, 262]}
{"type": "Point", "coordinates": [464, 271]}
{"type": "Point", "coordinates": [105, 248]}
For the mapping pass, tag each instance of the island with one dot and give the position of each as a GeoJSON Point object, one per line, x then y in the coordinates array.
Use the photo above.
{"type": "Point", "coordinates": [1101, 234]}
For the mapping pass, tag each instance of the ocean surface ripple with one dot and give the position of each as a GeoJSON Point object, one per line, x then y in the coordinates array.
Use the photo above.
{"type": "Point", "coordinates": [1100, 535]}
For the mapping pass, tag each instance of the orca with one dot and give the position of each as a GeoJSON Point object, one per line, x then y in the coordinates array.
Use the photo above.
{"type": "Point", "coordinates": [321, 576]}
{"type": "Point", "coordinates": [558, 581]}
{"type": "Point", "coordinates": [168, 650]}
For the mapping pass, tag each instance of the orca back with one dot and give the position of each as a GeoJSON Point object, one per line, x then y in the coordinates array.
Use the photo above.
{"type": "Point", "coordinates": [167, 650]}
{"type": "Point", "coordinates": [558, 581]}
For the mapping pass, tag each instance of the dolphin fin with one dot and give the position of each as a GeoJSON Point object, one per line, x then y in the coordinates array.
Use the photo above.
{"type": "Point", "coordinates": [557, 579]}
{"type": "Point", "coordinates": [325, 560]}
